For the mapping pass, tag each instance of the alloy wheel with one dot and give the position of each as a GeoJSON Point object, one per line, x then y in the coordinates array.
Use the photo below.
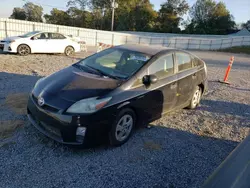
{"type": "Point", "coordinates": [196, 97]}
{"type": "Point", "coordinates": [124, 127]}
{"type": "Point", "coordinates": [69, 51]}
{"type": "Point", "coordinates": [24, 50]}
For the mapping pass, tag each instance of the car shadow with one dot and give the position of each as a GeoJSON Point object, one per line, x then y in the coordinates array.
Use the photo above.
{"type": "Point", "coordinates": [240, 89]}
{"type": "Point", "coordinates": [175, 158]}
{"type": "Point", "coordinates": [224, 107]}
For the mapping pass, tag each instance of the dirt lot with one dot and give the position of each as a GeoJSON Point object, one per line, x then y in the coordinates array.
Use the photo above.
{"type": "Point", "coordinates": [181, 149]}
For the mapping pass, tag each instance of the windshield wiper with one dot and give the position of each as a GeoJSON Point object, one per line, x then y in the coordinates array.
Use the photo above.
{"type": "Point", "coordinates": [79, 67]}
{"type": "Point", "coordinates": [101, 73]}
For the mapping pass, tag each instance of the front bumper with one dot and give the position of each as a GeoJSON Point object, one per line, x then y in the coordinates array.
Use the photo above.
{"type": "Point", "coordinates": [62, 128]}
{"type": "Point", "coordinates": [8, 47]}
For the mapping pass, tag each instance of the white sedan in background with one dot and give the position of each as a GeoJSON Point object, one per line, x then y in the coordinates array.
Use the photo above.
{"type": "Point", "coordinates": [40, 42]}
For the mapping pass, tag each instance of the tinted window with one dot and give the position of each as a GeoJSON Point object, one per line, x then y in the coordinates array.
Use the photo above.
{"type": "Point", "coordinates": [162, 67]}
{"type": "Point", "coordinates": [184, 61]}
{"type": "Point", "coordinates": [41, 36]}
{"type": "Point", "coordinates": [56, 36]}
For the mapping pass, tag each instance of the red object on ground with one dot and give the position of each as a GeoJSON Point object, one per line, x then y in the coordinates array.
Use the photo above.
{"type": "Point", "coordinates": [229, 68]}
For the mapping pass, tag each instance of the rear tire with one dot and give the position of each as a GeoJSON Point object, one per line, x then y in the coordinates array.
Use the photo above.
{"type": "Point", "coordinates": [23, 50]}
{"type": "Point", "coordinates": [122, 127]}
{"type": "Point", "coordinates": [69, 50]}
{"type": "Point", "coordinates": [196, 98]}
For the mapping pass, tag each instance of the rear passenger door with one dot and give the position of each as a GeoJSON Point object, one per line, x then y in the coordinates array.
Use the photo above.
{"type": "Point", "coordinates": [57, 43]}
{"type": "Point", "coordinates": [185, 78]}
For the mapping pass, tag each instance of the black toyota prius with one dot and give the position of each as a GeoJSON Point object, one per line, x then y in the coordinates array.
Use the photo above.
{"type": "Point", "coordinates": [113, 91]}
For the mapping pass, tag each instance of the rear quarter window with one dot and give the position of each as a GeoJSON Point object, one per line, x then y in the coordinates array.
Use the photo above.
{"type": "Point", "coordinates": [196, 62]}
{"type": "Point", "coordinates": [184, 61]}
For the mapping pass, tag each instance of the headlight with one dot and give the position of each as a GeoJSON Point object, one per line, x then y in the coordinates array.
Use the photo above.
{"type": "Point", "coordinates": [89, 105]}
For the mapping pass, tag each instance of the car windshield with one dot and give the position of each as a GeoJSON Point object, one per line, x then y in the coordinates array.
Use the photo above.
{"type": "Point", "coordinates": [29, 34]}
{"type": "Point", "coordinates": [115, 62]}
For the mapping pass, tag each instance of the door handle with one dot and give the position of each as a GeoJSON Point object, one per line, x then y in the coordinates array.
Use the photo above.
{"type": "Point", "coordinates": [173, 86]}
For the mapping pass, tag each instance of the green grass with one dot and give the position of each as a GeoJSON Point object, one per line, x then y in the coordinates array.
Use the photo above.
{"type": "Point", "coordinates": [238, 49]}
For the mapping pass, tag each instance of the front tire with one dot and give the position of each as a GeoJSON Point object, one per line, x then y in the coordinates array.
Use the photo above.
{"type": "Point", "coordinates": [123, 127]}
{"type": "Point", "coordinates": [196, 98]}
{"type": "Point", "coordinates": [69, 50]}
{"type": "Point", "coordinates": [23, 50]}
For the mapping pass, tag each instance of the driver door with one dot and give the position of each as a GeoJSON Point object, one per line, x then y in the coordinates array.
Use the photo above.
{"type": "Point", "coordinates": [163, 69]}
{"type": "Point", "coordinates": [160, 97]}
{"type": "Point", "coordinates": [39, 43]}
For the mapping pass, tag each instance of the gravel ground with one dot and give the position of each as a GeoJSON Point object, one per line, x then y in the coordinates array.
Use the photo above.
{"type": "Point", "coordinates": [180, 150]}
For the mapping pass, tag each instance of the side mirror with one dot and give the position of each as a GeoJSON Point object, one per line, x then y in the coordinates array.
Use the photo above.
{"type": "Point", "coordinates": [149, 79]}
{"type": "Point", "coordinates": [32, 38]}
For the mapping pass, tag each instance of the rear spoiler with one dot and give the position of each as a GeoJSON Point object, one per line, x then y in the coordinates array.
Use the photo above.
{"type": "Point", "coordinates": [234, 171]}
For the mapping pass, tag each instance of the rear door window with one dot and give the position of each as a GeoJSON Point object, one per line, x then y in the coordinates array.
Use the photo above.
{"type": "Point", "coordinates": [162, 67]}
{"type": "Point", "coordinates": [56, 36]}
{"type": "Point", "coordinates": [184, 61]}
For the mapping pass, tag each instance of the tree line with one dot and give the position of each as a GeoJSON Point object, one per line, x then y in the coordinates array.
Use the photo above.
{"type": "Point", "coordinates": [204, 17]}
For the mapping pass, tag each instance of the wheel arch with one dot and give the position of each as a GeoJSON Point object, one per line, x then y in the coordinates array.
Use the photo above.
{"type": "Point", "coordinates": [24, 44]}
{"type": "Point", "coordinates": [202, 86]}
{"type": "Point", "coordinates": [128, 105]}
{"type": "Point", "coordinates": [69, 46]}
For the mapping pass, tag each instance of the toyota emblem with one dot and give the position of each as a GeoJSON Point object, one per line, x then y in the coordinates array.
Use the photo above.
{"type": "Point", "coordinates": [40, 101]}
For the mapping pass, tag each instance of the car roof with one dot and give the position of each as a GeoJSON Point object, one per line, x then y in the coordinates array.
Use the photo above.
{"type": "Point", "coordinates": [150, 50]}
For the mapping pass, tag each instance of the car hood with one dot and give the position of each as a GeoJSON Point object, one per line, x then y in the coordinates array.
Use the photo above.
{"type": "Point", "coordinates": [70, 85]}
{"type": "Point", "coordinates": [11, 38]}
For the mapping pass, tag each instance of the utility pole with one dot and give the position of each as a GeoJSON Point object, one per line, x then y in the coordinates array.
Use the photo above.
{"type": "Point", "coordinates": [114, 5]}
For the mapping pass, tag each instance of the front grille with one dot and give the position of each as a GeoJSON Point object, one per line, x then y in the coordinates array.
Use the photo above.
{"type": "Point", "coordinates": [51, 129]}
{"type": "Point", "coordinates": [1, 46]}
